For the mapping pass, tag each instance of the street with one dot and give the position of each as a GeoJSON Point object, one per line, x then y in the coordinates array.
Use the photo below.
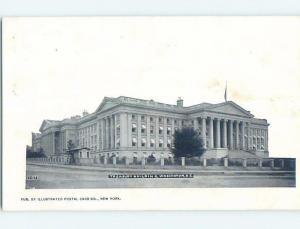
{"type": "Point", "coordinates": [47, 177]}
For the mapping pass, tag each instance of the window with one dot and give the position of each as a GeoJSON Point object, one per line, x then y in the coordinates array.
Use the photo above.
{"type": "Point", "coordinates": [168, 130]}
{"type": "Point", "coordinates": [133, 127]}
{"type": "Point", "coordinates": [133, 141]}
{"type": "Point", "coordinates": [160, 131]}
{"type": "Point", "coordinates": [175, 122]}
{"type": "Point", "coordinates": [160, 119]}
{"type": "Point", "coordinates": [168, 121]}
{"type": "Point", "coordinates": [133, 116]}
{"type": "Point", "coordinates": [151, 129]}
{"type": "Point", "coordinates": [169, 143]}
{"type": "Point", "coordinates": [143, 142]}
{"type": "Point", "coordinates": [118, 142]}
{"type": "Point", "coordinates": [160, 143]}
{"type": "Point", "coordinates": [151, 119]}
{"type": "Point", "coordinates": [152, 142]}
{"type": "Point", "coordinates": [118, 129]}
{"type": "Point", "coordinates": [88, 154]}
{"type": "Point", "coordinates": [80, 154]}
{"type": "Point", "coordinates": [143, 118]}
{"type": "Point", "coordinates": [143, 130]}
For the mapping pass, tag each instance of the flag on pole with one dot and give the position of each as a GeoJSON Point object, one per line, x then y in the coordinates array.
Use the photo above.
{"type": "Point", "coordinates": [225, 94]}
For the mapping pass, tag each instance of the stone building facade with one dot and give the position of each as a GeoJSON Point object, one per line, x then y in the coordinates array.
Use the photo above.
{"type": "Point", "coordinates": [138, 128]}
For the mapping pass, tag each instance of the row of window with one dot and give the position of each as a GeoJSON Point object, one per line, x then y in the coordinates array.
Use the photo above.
{"type": "Point", "coordinates": [88, 142]}
{"type": "Point", "coordinates": [88, 130]}
{"type": "Point", "coordinates": [143, 129]}
{"type": "Point", "coordinates": [160, 119]}
{"type": "Point", "coordinates": [152, 142]}
{"type": "Point", "coordinates": [258, 132]}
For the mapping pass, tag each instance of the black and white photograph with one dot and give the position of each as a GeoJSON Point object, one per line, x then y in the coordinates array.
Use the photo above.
{"type": "Point", "coordinates": [153, 105]}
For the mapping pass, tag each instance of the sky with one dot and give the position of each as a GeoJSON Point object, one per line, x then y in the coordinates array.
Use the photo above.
{"type": "Point", "coordinates": [54, 68]}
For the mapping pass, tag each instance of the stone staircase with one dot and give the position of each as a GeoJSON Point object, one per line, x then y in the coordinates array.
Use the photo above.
{"type": "Point", "coordinates": [241, 154]}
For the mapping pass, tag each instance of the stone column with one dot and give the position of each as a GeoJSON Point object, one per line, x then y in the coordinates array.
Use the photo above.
{"type": "Point", "coordinates": [148, 130]}
{"type": "Point", "coordinates": [156, 132]}
{"type": "Point", "coordinates": [237, 135]}
{"type": "Point", "coordinates": [173, 126]}
{"type": "Point", "coordinates": [196, 124]}
{"type": "Point", "coordinates": [115, 131]}
{"type": "Point", "coordinates": [203, 119]}
{"type": "Point", "coordinates": [139, 132]}
{"type": "Point", "coordinates": [266, 140]}
{"type": "Point", "coordinates": [243, 135]}
{"type": "Point", "coordinates": [129, 130]}
{"type": "Point", "coordinates": [211, 133]}
{"type": "Point", "coordinates": [225, 133]}
{"type": "Point", "coordinates": [106, 133]}
{"type": "Point", "coordinates": [123, 130]}
{"type": "Point", "coordinates": [249, 136]}
{"type": "Point", "coordinates": [112, 134]}
{"type": "Point", "coordinates": [231, 134]}
{"type": "Point", "coordinates": [218, 134]}
{"type": "Point", "coordinates": [102, 133]}
{"type": "Point", "coordinates": [165, 136]}
{"type": "Point", "coordinates": [53, 142]}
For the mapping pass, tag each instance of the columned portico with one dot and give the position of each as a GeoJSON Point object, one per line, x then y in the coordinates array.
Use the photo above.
{"type": "Point", "coordinates": [224, 127]}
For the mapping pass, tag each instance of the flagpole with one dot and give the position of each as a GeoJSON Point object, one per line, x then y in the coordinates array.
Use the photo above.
{"type": "Point", "coordinates": [225, 94]}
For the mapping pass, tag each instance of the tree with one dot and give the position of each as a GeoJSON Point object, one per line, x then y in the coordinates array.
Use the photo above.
{"type": "Point", "coordinates": [70, 145]}
{"type": "Point", "coordinates": [70, 150]}
{"type": "Point", "coordinates": [31, 154]}
{"type": "Point", "coordinates": [187, 143]}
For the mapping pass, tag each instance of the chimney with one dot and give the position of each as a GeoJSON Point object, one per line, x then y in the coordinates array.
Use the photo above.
{"type": "Point", "coordinates": [84, 113]}
{"type": "Point", "coordinates": [179, 102]}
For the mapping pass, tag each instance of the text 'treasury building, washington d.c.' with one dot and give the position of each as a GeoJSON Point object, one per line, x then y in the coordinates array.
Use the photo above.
{"type": "Point", "coordinates": [137, 128]}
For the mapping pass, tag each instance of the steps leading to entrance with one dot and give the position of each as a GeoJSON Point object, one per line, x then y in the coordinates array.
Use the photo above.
{"type": "Point", "coordinates": [241, 154]}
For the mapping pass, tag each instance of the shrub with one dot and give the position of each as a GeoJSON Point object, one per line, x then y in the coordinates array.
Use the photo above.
{"type": "Point", "coordinates": [151, 159]}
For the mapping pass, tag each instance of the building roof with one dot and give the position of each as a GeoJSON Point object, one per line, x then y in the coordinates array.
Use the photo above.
{"type": "Point", "coordinates": [110, 103]}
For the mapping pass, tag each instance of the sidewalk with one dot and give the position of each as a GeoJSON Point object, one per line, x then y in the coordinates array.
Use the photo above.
{"type": "Point", "coordinates": [210, 170]}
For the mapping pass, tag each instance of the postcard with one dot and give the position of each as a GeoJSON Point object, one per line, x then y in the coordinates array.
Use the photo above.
{"type": "Point", "coordinates": [151, 113]}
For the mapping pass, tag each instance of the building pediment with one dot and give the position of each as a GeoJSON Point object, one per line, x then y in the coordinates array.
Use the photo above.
{"type": "Point", "coordinates": [46, 124]}
{"type": "Point", "coordinates": [106, 104]}
{"type": "Point", "coordinates": [230, 108]}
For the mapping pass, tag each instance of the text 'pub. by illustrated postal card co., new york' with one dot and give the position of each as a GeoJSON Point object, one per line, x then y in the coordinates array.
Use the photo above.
{"type": "Point", "coordinates": [151, 113]}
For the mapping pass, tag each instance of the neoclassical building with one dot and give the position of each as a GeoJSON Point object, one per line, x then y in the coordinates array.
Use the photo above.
{"type": "Point", "coordinates": [133, 127]}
